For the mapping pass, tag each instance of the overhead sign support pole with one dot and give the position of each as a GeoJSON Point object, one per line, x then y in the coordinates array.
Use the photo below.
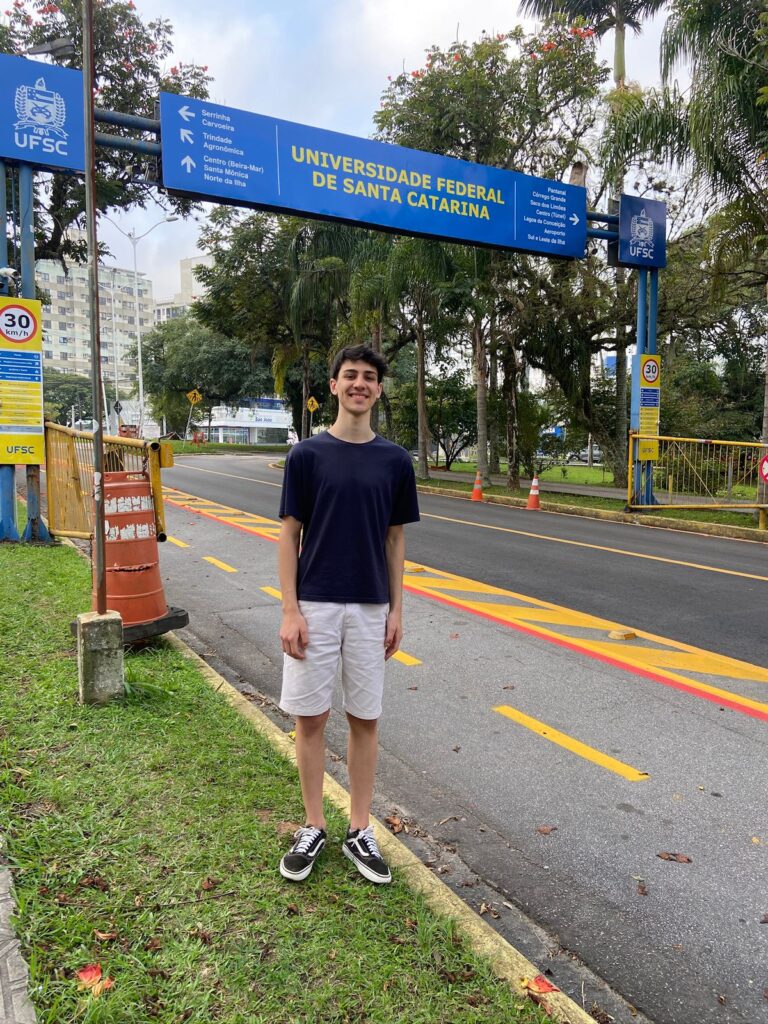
{"type": "Point", "coordinates": [35, 528]}
{"type": "Point", "coordinates": [8, 527]}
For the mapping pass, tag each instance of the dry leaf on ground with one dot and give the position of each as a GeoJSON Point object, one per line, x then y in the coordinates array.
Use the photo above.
{"type": "Point", "coordinates": [89, 979]}
{"type": "Point", "coordinates": [679, 858]}
{"type": "Point", "coordinates": [545, 830]}
{"type": "Point", "coordinates": [394, 823]}
{"type": "Point", "coordinates": [539, 985]}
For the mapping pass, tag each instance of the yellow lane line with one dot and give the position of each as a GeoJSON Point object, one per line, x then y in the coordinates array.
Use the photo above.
{"type": "Point", "coordinates": [405, 659]}
{"type": "Point", "coordinates": [575, 746]}
{"type": "Point", "coordinates": [598, 547]}
{"type": "Point", "coordinates": [178, 543]}
{"type": "Point", "coordinates": [273, 593]}
{"type": "Point", "coordinates": [218, 564]}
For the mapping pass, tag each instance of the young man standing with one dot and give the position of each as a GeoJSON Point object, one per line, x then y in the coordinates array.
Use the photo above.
{"type": "Point", "coordinates": [346, 495]}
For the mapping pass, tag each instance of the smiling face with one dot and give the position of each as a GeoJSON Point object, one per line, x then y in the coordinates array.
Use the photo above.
{"type": "Point", "coordinates": [357, 387]}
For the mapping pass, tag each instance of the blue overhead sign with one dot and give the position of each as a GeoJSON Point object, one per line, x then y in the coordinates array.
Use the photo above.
{"type": "Point", "coordinates": [42, 120]}
{"type": "Point", "coordinates": [248, 159]}
{"type": "Point", "coordinates": [642, 232]}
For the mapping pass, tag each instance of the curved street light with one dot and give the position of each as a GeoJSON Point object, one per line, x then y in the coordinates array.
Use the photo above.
{"type": "Point", "coordinates": [134, 239]}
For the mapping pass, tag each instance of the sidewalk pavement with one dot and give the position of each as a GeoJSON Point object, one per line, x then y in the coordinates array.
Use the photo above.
{"type": "Point", "coordinates": [15, 1007]}
{"type": "Point", "coordinates": [562, 487]}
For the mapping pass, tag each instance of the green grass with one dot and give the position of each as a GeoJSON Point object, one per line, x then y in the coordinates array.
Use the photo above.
{"type": "Point", "coordinates": [188, 448]}
{"type": "Point", "coordinates": [595, 476]}
{"type": "Point", "coordinates": [723, 518]}
{"type": "Point", "coordinates": [158, 821]}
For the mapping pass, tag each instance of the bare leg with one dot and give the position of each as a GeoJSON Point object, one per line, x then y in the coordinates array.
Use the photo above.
{"type": "Point", "coordinates": [361, 763]}
{"type": "Point", "coordinates": [310, 758]}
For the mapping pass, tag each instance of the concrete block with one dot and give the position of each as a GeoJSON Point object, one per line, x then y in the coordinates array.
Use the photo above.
{"type": "Point", "coordinates": [100, 657]}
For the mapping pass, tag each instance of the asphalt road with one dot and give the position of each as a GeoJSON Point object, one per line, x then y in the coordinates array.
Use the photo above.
{"type": "Point", "coordinates": [547, 774]}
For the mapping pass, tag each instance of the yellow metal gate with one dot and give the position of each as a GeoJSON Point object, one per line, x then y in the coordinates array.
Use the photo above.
{"type": "Point", "coordinates": [697, 473]}
{"type": "Point", "coordinates": [69, 476]}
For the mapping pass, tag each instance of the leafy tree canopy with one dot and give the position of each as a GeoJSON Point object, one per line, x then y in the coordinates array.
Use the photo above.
{"type": "Point", "coordinates": [131, 58]}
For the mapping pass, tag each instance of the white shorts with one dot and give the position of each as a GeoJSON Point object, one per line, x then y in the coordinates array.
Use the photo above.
{"type": "Point", "coordinates": [352, 634]}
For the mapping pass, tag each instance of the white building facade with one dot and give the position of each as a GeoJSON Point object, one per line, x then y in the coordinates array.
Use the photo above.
{"type": "Point", "coordinates": [66, 320]}
{"type": "Point", "coordinates": [263, 421]}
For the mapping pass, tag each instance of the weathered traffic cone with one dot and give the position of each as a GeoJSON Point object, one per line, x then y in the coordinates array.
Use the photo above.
{"type": "Point", "coordinates": [477, 490]}
{"type": "Point", "coordinates": [533, 497]}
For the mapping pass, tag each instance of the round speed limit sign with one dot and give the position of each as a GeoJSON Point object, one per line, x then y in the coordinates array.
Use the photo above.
{"type": "Point", "coordinates": [764, 469]}
{"type": "Point", "coordinates": [17, 324]}
{"type": "Point", "coordinates": [650, 371]}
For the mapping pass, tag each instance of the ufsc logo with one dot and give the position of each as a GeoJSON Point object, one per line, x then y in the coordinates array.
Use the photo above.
{"type": "Point", "coordinates": [641, 236]}
{"type": "Point", "coordinates": [41, 116]}
{"type": "Point", "coordinates": [19, 449]}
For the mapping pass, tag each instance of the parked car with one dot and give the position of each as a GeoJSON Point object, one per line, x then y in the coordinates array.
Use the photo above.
{"type": "Point", "coordinates": [583, 455]}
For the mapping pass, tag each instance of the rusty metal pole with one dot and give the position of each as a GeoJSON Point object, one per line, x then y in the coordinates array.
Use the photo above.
{"type": "Point", "coordinates": [99, 570]}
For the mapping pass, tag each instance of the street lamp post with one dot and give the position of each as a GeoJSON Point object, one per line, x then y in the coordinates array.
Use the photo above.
{"type": "Point", "coordinates": [134, 239]}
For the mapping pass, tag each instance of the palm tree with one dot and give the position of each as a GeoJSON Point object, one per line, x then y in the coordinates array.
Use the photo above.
{"type": "Point", "coordinates": [717, 131]}
{"type": "Point", "coordinates": [417, 272]}
{"type": "Point", "coordinates": [604, 16]}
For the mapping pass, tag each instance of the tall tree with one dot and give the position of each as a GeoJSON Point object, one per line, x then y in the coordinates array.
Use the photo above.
{"type": "Point", "coordinates": [716, 131]}
{"type": "Point", "coordinates": [130, 58]}
{"type": "Point", "coordinates": [602, 17]}
{"type": "Point", "coordinates": [518, 101]}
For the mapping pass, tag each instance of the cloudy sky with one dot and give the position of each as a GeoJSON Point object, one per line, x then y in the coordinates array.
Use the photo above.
{"type": "Point", "coordinates": [319, 63]}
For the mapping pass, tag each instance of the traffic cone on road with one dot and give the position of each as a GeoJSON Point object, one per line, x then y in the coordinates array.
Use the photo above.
{"type": "Point", "coordinates": [533, 497]}
{"type": "Point", "coordinates": [477, 490]}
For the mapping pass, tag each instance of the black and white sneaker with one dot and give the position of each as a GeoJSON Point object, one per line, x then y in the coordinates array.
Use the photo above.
{"type": "Point", "coordinates": [300, 859]}
{"type": "Point", "coordinates": [361, 848]}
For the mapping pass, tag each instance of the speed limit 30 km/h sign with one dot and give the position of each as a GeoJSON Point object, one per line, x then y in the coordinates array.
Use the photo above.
{"type": "Point", "coordinates": [18, 324]}
{"type": "Point", "coordinates": [21, 383]}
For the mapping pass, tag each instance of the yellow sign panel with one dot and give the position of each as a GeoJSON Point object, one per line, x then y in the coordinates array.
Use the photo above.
{"type": "Point", "coordinates": [650, 403]}
{"type": "Point", "coordinates": [650, 371]}
{"type": "Point", "coordinates": [194, 397]}
{"type": "Point", "coordinates": [312, 404]}
{"type": "Point", "coordinates": [21, 382]}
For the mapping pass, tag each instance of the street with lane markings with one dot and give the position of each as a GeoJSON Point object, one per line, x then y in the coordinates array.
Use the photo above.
{"type": "Point", "coordinates": [573, 699]}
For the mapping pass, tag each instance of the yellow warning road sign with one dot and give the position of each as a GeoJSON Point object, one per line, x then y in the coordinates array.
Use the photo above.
{"type": "Point", "coordinates": [194, 397]}
{"type": "Point", "coordinates": [312, 404]}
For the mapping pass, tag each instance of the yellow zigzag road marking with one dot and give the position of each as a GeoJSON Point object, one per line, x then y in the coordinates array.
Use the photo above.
{"type": "Point", "coordinates": [532, 614]}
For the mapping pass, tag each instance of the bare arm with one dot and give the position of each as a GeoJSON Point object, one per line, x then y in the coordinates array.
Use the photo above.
{"type": "Point", "coordinates": [395, 547]}
{"type": "Point", "coordinates": [294, 636]}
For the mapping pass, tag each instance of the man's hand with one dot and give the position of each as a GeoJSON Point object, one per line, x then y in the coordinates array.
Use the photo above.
{"type": "Point", "coordinates": [394, 634]}
{"type": "Point", "coordinates": [294, 635]}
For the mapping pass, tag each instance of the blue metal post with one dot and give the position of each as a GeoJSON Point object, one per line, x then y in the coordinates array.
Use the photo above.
{"type": "Point", "coordinates": [8, 527]}
{"type": "Point", "coordinates": [641, 340]}
{"type": "Point", "coordinates": [35, 528]}
{"type": "Point", "coordinates": [653, 310]}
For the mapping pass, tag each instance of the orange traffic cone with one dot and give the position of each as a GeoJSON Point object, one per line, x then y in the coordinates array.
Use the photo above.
{"type": "Point", "coordinates": [477, 490]}
{"type": "Point", "coordinates": [533, 497]}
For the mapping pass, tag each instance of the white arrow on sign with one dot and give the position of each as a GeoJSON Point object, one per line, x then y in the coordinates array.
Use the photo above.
{"type": "Point", "coordinates": [186, 135]}
{"type": "Point", "coordinates": [186, 113]}
{"type": "Point", "coordinates": [574, 219]}
{"type": "Point", "coordinates": [189, 163]}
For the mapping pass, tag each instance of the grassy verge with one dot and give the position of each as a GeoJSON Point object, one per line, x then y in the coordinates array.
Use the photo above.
{"type": "Point", "coordinates": [187, 448]}
{"type": "Point", "coordinates": [145, 837]}
{"type": "Point", "coordinates": [722, 518]}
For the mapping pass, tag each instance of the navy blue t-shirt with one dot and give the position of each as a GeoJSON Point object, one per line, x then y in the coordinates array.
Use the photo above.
{"type": "Point", "coordinates": [346, 496]}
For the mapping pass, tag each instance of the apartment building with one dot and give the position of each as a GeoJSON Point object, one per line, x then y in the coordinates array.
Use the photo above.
{"type": "Point", "coordinates": [66, 323]}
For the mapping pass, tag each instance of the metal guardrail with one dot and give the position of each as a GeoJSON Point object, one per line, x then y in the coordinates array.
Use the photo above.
{"type": "Point", "coordinates": [697, 473]}
{"type": "Point", "coordinates": [69, 476]}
